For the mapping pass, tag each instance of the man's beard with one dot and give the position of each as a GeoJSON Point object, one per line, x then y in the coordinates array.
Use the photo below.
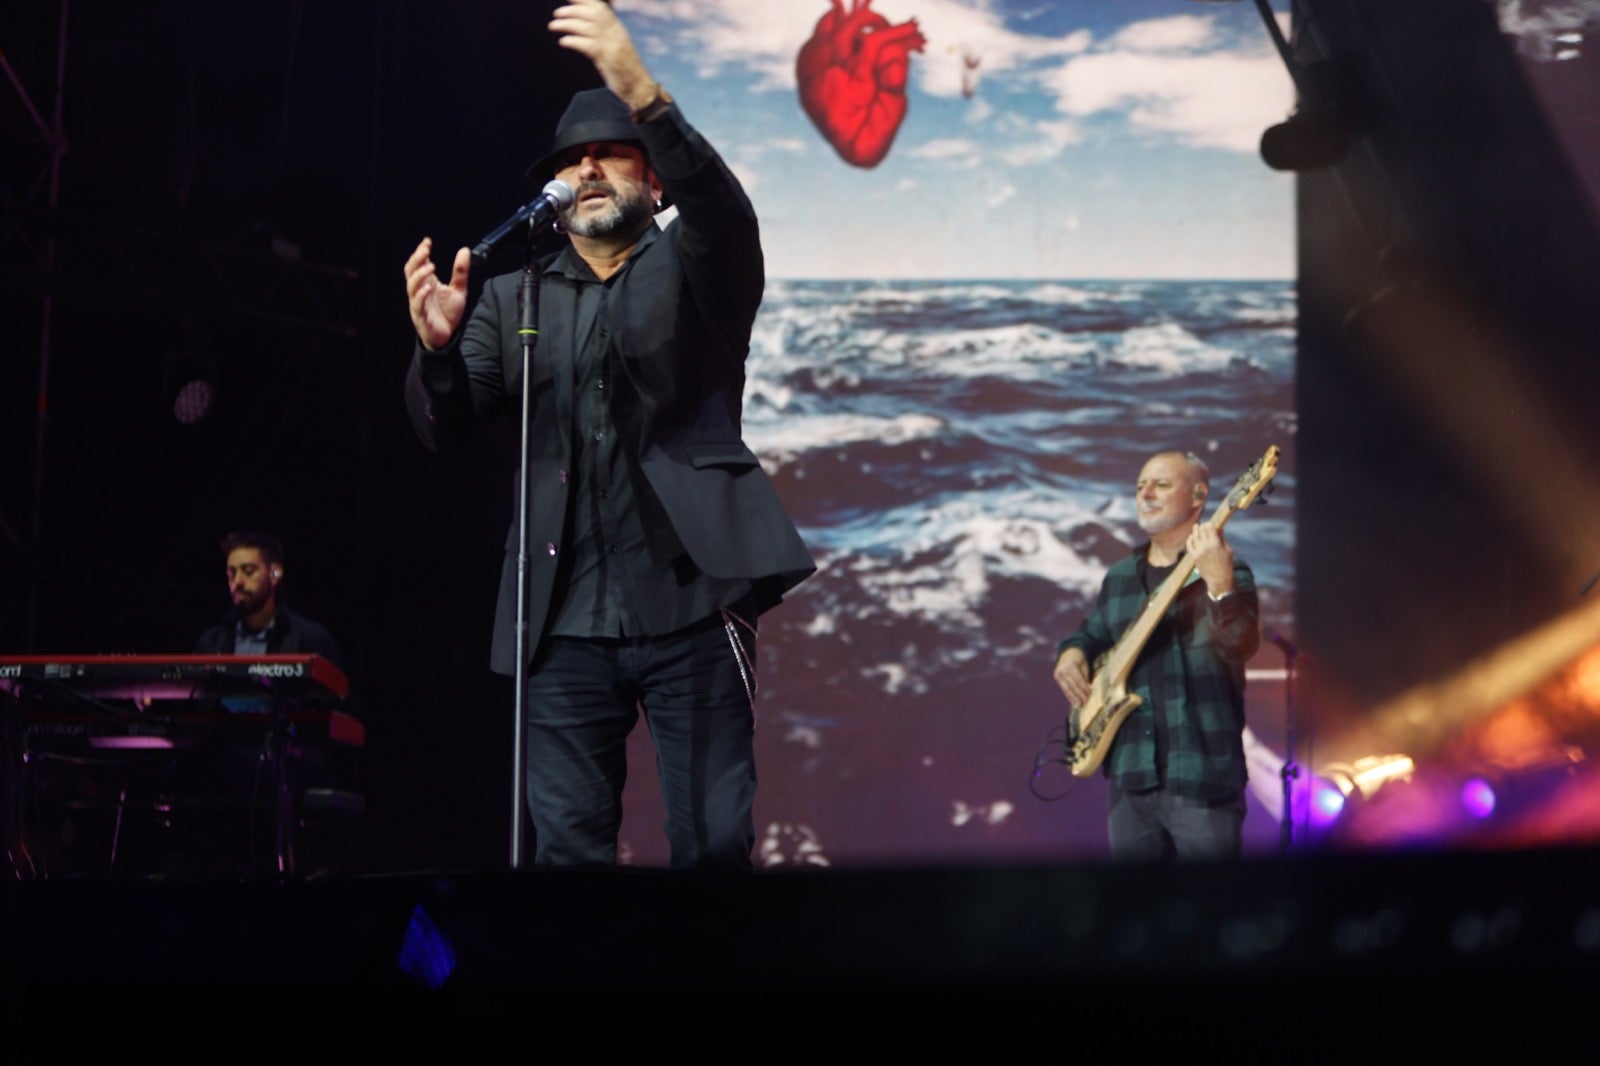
{"type": "Point", "coordinates": [251, 603]}
{"type": "Point", "coordinates": [1159, 522]}
{"type": "Point", "coordinates": [629, 209]}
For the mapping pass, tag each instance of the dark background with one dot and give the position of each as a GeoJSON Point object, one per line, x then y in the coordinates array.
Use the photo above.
{"type": "Point", "coordinates": [245, 181]}
{"type": "Point", "coordinates": [1447, 365]}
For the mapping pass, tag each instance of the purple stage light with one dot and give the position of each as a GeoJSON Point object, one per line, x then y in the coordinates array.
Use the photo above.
{"type": "Point", "coordinates": [1477, 796]}
{"type": "Point", "coordinates": [193, 401]}
{"type": "Point", "coordinates": [1327, 802]}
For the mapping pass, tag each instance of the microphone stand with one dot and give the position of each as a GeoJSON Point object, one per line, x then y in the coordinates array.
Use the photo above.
{"type": "Point", "coordinates": [528, 330]}
{"type": "Point", "coordinates": [1290, 771]}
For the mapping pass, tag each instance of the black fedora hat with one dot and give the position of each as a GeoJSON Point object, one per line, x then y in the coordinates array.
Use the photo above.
{"type": "Point", "coordinates": [592, 115]}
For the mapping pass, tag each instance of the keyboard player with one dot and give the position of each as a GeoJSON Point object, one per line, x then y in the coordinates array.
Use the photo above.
{"type": "Point", "coordinates": [231, 775]}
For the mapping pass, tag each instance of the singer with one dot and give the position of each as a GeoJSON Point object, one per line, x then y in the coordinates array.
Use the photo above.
{"type": "Point", "coordinates": [656, 540]}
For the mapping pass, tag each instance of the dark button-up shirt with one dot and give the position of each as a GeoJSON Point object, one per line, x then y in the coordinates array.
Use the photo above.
{"type": "Point", "coordinates": [609, 584]}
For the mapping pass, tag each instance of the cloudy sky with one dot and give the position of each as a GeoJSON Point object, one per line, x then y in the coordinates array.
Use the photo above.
{"type": "Point", "coordinates": [1094, 138]}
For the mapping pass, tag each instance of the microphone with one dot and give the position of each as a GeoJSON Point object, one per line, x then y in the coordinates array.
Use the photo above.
{"type": "Point", "coordinates": [530, 217]}
{"type": "Point", "coordinates": [1284, 644]}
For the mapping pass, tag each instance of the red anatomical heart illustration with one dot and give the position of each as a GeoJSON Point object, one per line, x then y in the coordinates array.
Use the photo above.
{"type": "Point", "coordinates": [852, 76]}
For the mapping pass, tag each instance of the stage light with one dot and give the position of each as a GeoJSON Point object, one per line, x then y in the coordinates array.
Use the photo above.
{"type": "Point", "coordinates": [1339, 789]}
{"type": "Point", "coordinates": [1331, 113]}
{"type": "Point", "coordinates": [1307, 140]}
{"type": "Point", "coordinates": [189, 370]}
{"type": "Point", "coordinates": [426, 954]}
{"type": "Point", "coordinates": [1366, 775]}
{"type": "Point", "coordinates": [1477, 797]}
{"type": "Point", "coordinates": [1327, 803]}
{"type": "Point", "coordinates": [1318, 801]}
{"type": "Point", "coordinates": [190, 384]}
{"type": "Point", "coordinates": [193, 401]}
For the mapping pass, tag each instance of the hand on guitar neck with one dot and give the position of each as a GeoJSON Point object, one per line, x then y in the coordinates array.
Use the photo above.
{"type": "Point", "coordinates": [1212, 557]}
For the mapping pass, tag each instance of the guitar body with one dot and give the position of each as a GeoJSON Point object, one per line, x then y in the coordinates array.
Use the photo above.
{"type": "Point", "coordinates": [1094, 727]}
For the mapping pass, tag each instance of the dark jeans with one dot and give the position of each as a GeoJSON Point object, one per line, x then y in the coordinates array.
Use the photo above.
{"type": "Point", "coordinates": [1158, 825]}
{"type": "Point", "coordinates": [585, 697]}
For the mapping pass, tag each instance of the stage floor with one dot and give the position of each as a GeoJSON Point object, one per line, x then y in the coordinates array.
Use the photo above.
{"type": "Point", "coordinates": [1284, 941]}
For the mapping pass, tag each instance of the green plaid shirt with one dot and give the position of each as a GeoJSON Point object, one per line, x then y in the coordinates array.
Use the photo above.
{"type": "Point", "coordinates": [1191, 674]}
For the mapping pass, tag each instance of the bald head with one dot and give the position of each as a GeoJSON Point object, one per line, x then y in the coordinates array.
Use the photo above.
{"type": "Point", "coordinates": [1170, 492]}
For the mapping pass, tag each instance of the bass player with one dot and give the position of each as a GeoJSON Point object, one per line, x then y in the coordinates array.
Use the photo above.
{"type": "Point", "coordinates": [1176, 765]}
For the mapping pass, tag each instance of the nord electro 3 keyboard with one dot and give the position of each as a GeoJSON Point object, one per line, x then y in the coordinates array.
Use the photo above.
{"type": "Point", "coordinates": [75, 715]}
{"type": "Point", "coordinates": [193, 687]}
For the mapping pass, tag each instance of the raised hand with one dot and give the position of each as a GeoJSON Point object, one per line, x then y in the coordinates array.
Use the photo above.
{"type": "Point", "coordinates": [591, 28]}
{"type": "Point", "coordinates": [436, 308]}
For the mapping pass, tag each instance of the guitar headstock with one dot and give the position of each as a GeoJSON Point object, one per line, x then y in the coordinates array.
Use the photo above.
{"type": "Point", "coordinates": [1253, 482]}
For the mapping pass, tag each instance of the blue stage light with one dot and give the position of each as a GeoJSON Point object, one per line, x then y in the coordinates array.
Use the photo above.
{"type": "Point", "coordinates": [1327, 802]}
{"type": "Point", "coordinates": [426, 954]}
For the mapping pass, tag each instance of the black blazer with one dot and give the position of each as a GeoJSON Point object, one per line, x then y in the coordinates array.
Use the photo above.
{"type": "Point", "coordinates": [292, 634]}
